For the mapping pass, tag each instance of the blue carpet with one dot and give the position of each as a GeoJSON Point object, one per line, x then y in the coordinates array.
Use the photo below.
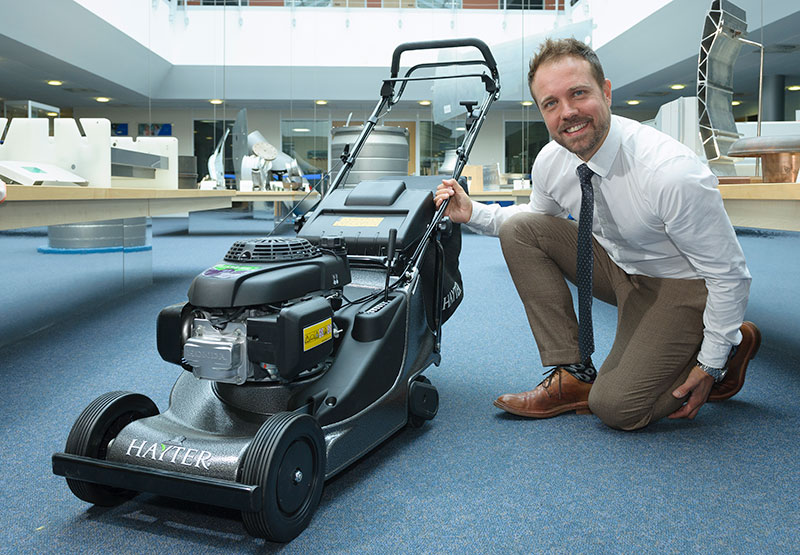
{"type": "Point", "coordinates": [473, 480]}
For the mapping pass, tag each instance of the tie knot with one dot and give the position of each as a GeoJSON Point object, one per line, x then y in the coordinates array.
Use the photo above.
{"type": "Point", "coordinates": [585, 174]}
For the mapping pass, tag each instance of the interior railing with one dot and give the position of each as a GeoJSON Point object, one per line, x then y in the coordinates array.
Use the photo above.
{"type": "Point", "coordinates": [544, 5]}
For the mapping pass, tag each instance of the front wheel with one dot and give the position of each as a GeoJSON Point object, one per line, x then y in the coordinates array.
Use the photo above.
{"type": "Point", "coordinates": [97, 425]}
{"type": "Point", "coordinates": [287, 459]}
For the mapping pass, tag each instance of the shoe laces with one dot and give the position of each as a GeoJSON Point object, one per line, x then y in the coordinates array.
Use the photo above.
{"type": "Point", "coordinates": [550, 374]}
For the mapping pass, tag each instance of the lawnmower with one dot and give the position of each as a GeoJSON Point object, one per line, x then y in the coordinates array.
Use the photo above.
{"type": "Point", "coordinates": [301, 354]}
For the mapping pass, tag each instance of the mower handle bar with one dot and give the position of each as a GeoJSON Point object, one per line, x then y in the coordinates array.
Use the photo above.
{"type": "Point", "coordinates": [445, 43]}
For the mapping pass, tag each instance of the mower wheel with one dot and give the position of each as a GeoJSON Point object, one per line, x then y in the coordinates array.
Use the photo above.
{"type": "Point", "coordinates": [287, 459]}
{"type": "Point", "coordinates": [97, 425]}
{"type": "Point", "coordinates": [423, 401]}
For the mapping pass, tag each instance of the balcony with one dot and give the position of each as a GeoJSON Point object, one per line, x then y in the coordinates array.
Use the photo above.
{"type": "Point", "coordinates": [550, 5]}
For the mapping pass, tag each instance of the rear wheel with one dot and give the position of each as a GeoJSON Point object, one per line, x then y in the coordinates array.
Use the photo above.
{"type": "Point", "coordinates": [287, 459]}
{"type": "Point", "coordinates": [423, 401]}
{"type": "Point", "coordinates": [92, 432]}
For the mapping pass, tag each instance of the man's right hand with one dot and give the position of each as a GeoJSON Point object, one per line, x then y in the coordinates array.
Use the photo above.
{"type": "Point", "coordinates": [459, 209]}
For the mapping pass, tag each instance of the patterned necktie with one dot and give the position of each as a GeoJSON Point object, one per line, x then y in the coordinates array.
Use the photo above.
{"type": "Point", "coordinates": [585, 263]}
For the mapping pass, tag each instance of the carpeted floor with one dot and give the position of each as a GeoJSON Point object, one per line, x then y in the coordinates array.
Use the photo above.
{"type": "Point", "coordinates": [473, 480]}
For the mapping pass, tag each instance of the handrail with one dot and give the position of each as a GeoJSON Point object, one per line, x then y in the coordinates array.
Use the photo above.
{"type": "Point", "coordinates": [371, 4]}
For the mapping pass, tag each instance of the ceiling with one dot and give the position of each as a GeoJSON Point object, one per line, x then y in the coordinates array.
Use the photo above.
{"type": "Point", "coordinates": [782, 57]}
{"type": "Point", "coordinates": [24, 71]}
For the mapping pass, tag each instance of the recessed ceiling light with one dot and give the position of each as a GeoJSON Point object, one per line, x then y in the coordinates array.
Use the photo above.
{"type": "Point", "coordinates": [301, 130]}
{"type": "Point", "coordinates": [736, 102]}
{"type": "Point", "coordinates": [103, 99]}
{"type": "Point", "coordinates": [321, 102]}
{"type": "Point", "coordinates": [424, 102]}
{"type": "Point", "coordinates": [527, 103]}
{"type": "Point", "coordinates": [52, 114]}
{"type": "Point", "coordinates": [461, 128]}
{"type": "Point", "coordinates": [793, 88]}
{"type": "Point", "coordinates": [677, 87]}
{"type": "Point", "coordinates": [55, 83]}
{"type": "Point", "coordinates": [215, 101]}
{"type": "Point", "coordinates": [632, 102]}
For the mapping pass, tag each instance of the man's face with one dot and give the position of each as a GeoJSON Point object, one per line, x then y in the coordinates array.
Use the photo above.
{"type": "Point", "coordinates": [576, 110]}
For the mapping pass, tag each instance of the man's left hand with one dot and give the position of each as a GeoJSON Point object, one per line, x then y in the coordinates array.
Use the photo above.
{"type": "Point", "coordinates": [697, 386]}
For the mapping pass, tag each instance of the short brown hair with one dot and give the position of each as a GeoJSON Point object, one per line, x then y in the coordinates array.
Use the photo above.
{"type": "Point", "coordinates": [555, 49]}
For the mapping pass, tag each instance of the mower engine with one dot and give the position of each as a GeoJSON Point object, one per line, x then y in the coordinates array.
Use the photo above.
{"type": "Point", "coordinates": [264, 314]}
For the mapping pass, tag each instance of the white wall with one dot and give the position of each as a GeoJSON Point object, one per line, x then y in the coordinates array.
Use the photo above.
{"type": "Point", "coordinates": [286, 36]}
{"type": "Point", "coordinates": [306, 36]}
{"type": "Point", "coordinates": [612, 17]}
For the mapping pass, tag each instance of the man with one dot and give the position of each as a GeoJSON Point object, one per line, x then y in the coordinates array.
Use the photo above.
{"type": "Point", "coordinates": [656, 242]}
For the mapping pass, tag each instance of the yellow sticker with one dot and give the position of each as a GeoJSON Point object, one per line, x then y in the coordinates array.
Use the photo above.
{"type": "Point", "coordinates": [353, 221]}
{"type": "Point", "coordinates": [317, 334]}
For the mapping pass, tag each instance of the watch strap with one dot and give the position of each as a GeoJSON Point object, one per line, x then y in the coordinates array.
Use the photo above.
{"type": "Point", "coordinates": [717, 373]}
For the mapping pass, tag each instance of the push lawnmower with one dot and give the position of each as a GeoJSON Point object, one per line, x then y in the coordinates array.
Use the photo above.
{"type": "Point", "coordinates": [301, 354]}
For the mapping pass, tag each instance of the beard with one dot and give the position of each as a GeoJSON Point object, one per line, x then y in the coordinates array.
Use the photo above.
{"type": "Point", "coordinates": [588, 142]}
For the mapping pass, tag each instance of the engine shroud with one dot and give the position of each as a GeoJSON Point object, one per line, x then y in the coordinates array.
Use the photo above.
{"type": "Point", "coordinates": [269, 271]}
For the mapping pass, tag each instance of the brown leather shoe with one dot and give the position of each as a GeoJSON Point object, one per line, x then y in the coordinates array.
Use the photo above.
{"type": "Point", "coordinates": [745, 352]}
{"type": "Point", "coordinates": [559, 392]}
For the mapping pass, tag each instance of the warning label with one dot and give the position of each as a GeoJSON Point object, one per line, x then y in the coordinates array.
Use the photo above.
{"type": "Point", "coordinates": [317, 334]}
{"type": "Point", "coordinates": [354, 221]}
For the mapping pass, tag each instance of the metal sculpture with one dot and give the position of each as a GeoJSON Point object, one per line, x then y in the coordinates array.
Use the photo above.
{"type": "Point", "coordinates": [722, 40]}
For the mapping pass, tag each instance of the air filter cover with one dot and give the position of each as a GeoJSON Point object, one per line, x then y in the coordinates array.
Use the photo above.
{"type": "Point", "coordinates": [271, 249]}
{"type": "Point", "coordinates": [269, 271]}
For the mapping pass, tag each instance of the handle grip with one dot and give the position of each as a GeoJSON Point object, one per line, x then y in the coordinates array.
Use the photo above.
{"type": "Point", "coordinates": [390, 248]}
{"type": "Point", "coordinates": [445, 43]}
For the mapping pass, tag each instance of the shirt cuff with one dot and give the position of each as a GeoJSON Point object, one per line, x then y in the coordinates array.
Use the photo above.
{"type": "Point", "coordinates": [714, 354]}
{"type": "Point", "coordinates": [476, 208]}
{"type": "Point", "coordinates": [481, 216]}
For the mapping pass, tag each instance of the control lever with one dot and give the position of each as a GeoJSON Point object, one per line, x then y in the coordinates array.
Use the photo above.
{"type": "Point", "coordinates": [469, 105]}
{"type": "Point", "coordinates": [389, 259]}
{"type": "Point", "coordinates": [472, 115]}
{"type": "Point", "coordinates": [345, 153]}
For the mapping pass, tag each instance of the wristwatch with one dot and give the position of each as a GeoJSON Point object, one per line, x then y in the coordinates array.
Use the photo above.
{"type": "Point", "coordinates": [717, 373]}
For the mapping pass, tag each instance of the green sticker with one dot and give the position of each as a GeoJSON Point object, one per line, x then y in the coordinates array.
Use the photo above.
{"type": "Point", "coordinates": [229, 271]}
{"type": "Point", "coordinates": [233, 268]}
{"type": "Point", "coordinates": [33, 169]}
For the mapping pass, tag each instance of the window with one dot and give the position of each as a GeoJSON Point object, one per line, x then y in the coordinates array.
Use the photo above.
{"type": "Point", "coordinates": [434, 142]}
{"type": "Point", "coordinates": [306, 141]}
{"type": "Point", "coordinates": [222, 2]}
{"type": "Point", "coordinates": [524, 140]}
{"type": "Point", "coordinates": [207, 133]}
{"type": "Point", "coordinates": [439, 4]}
{"type": "Point", "coordinates": [309, 3]}
{"type": "Point", "coordinates": [522, 4]}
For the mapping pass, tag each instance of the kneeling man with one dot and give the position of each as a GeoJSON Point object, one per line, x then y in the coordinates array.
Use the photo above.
{"type": "Point", "coordinates": [631, 217]}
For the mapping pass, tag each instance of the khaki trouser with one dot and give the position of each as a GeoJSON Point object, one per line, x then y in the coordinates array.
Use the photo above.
{"type": "Point", "coordinates": [659, 321]}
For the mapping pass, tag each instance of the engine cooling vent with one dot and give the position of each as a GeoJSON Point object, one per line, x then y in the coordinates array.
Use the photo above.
{"type": "Point", "coordinates": [271, 249]}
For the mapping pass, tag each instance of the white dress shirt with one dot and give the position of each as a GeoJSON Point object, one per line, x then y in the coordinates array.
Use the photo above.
{"type": "Point", "coordinates": [657, 213]}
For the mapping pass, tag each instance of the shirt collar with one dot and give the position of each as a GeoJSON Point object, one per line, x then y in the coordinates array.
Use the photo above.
{"type": "Point", "coordinates": [601, 162]}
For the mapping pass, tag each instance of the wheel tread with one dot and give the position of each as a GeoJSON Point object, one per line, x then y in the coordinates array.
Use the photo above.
{"type": "Point", "coordinates": [255, 471]}
{"type": "Point", "coordinates": [81, 435]}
